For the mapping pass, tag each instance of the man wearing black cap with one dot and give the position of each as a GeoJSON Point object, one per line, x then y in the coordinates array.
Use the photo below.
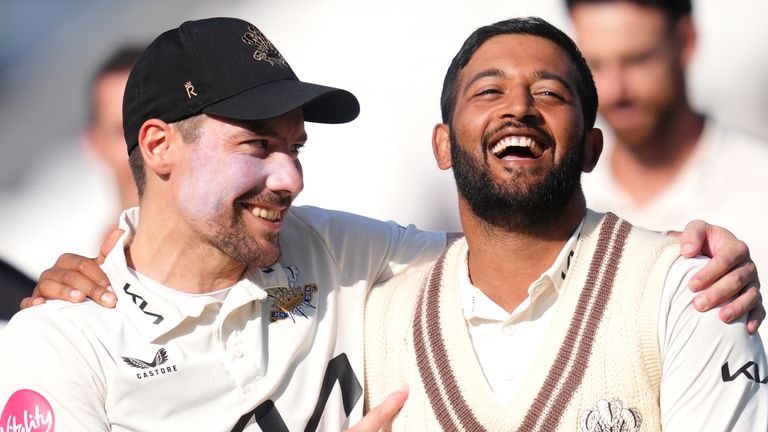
{"type": "Point", "coordinates": [211, 331]}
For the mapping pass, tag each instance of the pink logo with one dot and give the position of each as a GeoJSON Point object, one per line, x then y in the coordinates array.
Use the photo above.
{"type": "Point", "coordinates": [27, 411]}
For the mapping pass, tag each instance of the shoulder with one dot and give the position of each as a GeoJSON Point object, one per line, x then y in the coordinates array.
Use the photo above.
{"type": "Point", "coordinates": [58, 322]}
{"type": "Point", "coordinates": [326, 222]}
{"type": "Point", "coordinates": [358, 240]}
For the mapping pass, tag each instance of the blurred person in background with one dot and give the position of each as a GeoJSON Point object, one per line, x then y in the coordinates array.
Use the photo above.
{"type": "Point", "coordinates": [667, 162]}
{"type": "Point", "coordinates": [85, 182]}
{"type": "Point", "coordinates": [103, 135]}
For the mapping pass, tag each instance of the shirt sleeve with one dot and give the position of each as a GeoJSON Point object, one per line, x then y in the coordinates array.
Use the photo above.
{"type": "Point", "coordinates": [370, 249]}
{"type": "Point", "coordinates": [49, 374]}
{"type": "Point", "coordinates": [711, 371]}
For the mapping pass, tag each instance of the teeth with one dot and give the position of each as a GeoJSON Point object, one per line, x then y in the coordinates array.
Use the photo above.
{"type": "Point", "coordinates": [517, 141]}
{"type": "Point", "coordinates": [270, 215]}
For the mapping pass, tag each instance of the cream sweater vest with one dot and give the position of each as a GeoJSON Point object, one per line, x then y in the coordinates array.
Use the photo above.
{"type": "Point", "coordinates": [599, 369]}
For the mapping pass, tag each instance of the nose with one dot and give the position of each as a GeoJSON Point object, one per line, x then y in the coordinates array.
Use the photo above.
{"type": "Point", "coordinates": [611, 84]}
{"type": "Point", "coordinates": [519, 104]}
{"type": "Point", "coordinates": [286, 176]}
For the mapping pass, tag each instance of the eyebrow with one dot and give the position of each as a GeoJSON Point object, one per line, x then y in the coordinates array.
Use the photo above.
{"type": "Point", "coordinates": [493, 73]}
{"type": "Point", "coordinates": [272, 134]}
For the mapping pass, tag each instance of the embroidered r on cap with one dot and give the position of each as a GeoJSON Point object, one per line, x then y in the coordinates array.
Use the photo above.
{"type": "Point", "coordinates": [190, 89]}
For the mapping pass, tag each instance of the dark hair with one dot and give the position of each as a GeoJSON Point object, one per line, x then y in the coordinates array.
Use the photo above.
{"type": "Point", "coordinates": [190, 131]}
{"type": "Point", "coordinates": [533, 26]}
{"type": "Point", "coordinates": [674, 9]}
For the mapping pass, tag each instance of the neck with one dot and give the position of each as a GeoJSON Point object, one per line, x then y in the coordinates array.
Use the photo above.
{"type": "Point", "coordinates": [504, 262]}
{"type": "Point", "coordinates": [128, 195]}
{"type": "Point", "coordinates": [644, 170]}
{"type": "Point", "coordinates": [170, 254]}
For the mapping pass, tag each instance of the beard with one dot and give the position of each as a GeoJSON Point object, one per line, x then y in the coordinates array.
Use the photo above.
{"type": "Point", "coordinates": [516, 205]}
{"type": "Point", "coordinates": [229, 234]}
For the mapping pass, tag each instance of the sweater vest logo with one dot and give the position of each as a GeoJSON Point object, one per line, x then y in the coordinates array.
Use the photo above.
{"type": "Point", "coordinates": [610, 416]}
{"type": "Point", "coordinates": [152, 368]}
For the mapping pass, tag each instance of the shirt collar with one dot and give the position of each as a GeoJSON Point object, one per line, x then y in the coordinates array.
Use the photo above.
{"type": "Point", "coordinates": [152, 313]}
{"type": "Point", "coordinates": [477, 305]}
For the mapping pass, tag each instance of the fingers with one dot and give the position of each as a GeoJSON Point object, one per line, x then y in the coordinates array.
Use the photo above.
{"type": "Point", "coordinates": [692, 238]}
{"type": "Point", "coordinates": [733, 254]}
{"type": "Point", "coordinates": [744, 303]}
{"type": "Point", "coordinates": [109, 244]}
{"type": "Point", "coordinates": [31, 301]}
{"type": "Point", "coordinates": [378, 417]}
{"type": "Point", "coordinates": [72, 278]}
{"type": "Point", "coordinates": [756, 316]}
{"type": "Point", "coordinates": [741, 281]}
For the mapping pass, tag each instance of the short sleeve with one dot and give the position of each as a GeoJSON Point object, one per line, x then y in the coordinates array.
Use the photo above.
{"type": "Point", "coordinates": [712, 372]}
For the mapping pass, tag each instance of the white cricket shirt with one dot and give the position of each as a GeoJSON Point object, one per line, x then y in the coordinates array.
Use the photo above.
{"type": "Point", "coordinates": [283, 351]}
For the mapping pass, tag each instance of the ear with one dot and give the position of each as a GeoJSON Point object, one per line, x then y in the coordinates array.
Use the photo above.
{"type": "Point", "coordinates": [686, 33]}
{"type": "Point", "coordinates": [593, 147]}
{"type": "Point", "coordinates": [155, 143]}
{"type": "Point", "coordinates": [441, 145]}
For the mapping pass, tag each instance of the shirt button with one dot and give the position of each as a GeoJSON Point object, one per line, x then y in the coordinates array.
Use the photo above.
{"type": "Point", "coordinates": [509, 331]}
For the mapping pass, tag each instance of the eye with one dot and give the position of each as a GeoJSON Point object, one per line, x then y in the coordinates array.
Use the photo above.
{"type": "Point", "coordinates": [487, 91]}
{"type": "Point", "coordinates": [260, 144]}
{"type": "Point", "coordinates": [296, 149]}
{"type": "Point", "coordinates": [549, 94]}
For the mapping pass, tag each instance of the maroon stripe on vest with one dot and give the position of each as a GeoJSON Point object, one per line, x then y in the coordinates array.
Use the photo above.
{"type": "Point", "coordinates": [430, 339]}
{"type": "Point", "coordinates": [559, 387]}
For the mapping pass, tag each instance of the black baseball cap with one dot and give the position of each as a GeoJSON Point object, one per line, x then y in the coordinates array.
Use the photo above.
{"type": "Point", "coordinates": [224, 67]}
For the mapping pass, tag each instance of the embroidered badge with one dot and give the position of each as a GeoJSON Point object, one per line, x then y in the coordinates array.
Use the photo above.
{"type": "Point", "coordinates": [288, 301]}
{"type": "Point", "coordinates": [265, 51]}
{"type": "Point", "coordinates": [27, 410]}
{"type": "Point", "coordinates": [610, 416]}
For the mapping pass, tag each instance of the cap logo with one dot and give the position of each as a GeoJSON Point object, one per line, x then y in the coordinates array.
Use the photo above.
{"type": "Point", "coordinates": [190, 89]}
{"type": "Point", "coordinates": [265, 51]}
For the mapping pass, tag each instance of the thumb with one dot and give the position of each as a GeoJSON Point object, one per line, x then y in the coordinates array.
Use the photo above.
{"type": "Point", "coordinates": [383, 413]}
{"type": "Point", "coordinates": [109, 244]}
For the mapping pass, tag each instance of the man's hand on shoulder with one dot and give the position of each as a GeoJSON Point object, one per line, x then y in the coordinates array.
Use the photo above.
{"type": "Point", "coordinates": [74, 277]}
{"type": "Point", "coordinates": [730, 277]}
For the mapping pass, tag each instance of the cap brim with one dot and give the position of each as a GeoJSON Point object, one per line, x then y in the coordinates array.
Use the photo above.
{"type": "Point", "coordinates": [321, 104]}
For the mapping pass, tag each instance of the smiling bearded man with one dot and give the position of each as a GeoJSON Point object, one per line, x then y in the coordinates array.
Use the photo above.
{"type": "Point", "coordinates": [548, 316]}
{"type": "Point", "coordinates": [237, 311]}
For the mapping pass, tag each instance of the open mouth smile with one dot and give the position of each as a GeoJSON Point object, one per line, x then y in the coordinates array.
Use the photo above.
{"type": "Point", "coordinates": [270, 215]}
{"type": "Point", "coordinates": [518, 147]}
